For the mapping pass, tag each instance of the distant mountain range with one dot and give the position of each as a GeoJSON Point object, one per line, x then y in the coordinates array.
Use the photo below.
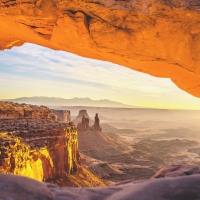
{"type": "Point", "coordinates": [54, 101]}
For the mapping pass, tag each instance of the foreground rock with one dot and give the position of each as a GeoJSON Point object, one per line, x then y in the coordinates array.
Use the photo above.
{"type": "Point", "coordinates": [177, 170]}
{"type": "Point", "coordinates": [161, 38]}
{"type": "Point", "coordinates": [179, 188]}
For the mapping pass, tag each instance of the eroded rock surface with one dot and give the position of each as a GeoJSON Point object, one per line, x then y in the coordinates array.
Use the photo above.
{"type": "Point", "coordinates": [41, 147]}
{"type": "Point", "coordinates": [177, 170]}
{"type": "Point", "coordinates": [158, 37]}
{"type": "Point", "coordinates": [179, 188]}
{"type": "Point", "coordinates": [79, 118]}
{"type": "Point", "coordinates": [63, 115]}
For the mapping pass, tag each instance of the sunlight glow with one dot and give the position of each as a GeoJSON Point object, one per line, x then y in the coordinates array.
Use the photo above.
{"type": "Point", "coordinates": [37, 71]}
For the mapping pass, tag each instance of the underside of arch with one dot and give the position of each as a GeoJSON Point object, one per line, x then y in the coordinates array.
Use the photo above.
{"type": "Point", "coordinates": [158, 37]}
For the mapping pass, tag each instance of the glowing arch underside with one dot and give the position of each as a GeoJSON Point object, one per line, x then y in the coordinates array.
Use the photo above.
{"type": "Point", "coordinates": [160, 38]}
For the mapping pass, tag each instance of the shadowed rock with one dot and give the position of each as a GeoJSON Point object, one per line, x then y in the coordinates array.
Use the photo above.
{"type": "Point", "coordinates": [96, 125]}
{"type": "Point", "coordinates": [177, 170]}
{"type": "Point", "coordinates": [179, 188]}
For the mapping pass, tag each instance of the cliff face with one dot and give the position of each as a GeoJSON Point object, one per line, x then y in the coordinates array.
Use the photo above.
{"type": "Point", "coordinates": [15, 110]}
{"type": "Point", "coordinates": [45, 156]}
{"type": "Point", "coordinates": [63, 115]}
{"type": "Point", "coordinates": [41, 148]}
{"type": "Point", "coordinates": [158, 37]}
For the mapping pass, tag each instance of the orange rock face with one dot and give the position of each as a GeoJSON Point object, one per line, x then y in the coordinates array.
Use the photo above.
{"type": "Point", "coordinates": [38, 148]}
{"type": "Point", "coordinates": [153, 36]}
{"type": "Point", "coordinates": [35, 144]}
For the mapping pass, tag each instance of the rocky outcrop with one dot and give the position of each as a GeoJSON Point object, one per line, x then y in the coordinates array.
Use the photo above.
{"type": "Point", "coordinates": [79, 118]}
{"type": "Point", "coordinates": [63, 115]}
{"type": "Point", "coordinates": [158, 37]}
{"type": "Point", "coordinates": [42, 154]}
{"type": "Point", "coordinates": [15, 110]}
{"type": "Point", "coordinates": [83, 121]}
{"type": "Point", "coordinates": [84, 124]}
{"type": "Point", "coordinates": [177, 170]}
{"type": "Point", "coordinates": [96, 125]}
{"type": "Point", "coordinates": [179, 188]}
{"type": "Point", "coordinates": [41, 148]}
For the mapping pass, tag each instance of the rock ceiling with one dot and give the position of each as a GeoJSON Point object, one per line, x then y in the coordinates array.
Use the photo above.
{"type": "Point", "coordinates": [158, 37]}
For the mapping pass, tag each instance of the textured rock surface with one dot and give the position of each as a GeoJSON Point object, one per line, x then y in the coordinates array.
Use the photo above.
{"type": "Point", "coordinates": [154, 36]}
{"type": "Point", "coordinates": [179, 188]}
{"type": "Point", "coordinates": [15, 110]}
{"type": "Point", "coordinates": [177, 170]}
{"type": "Point", "coordinates": [96, 125]}
{"type": "Point", "coordinates": [63, 115]}
{"type": "Point", "coordinates": [79, 118]}
{"type": "Point", "coordinates": [41, 147]}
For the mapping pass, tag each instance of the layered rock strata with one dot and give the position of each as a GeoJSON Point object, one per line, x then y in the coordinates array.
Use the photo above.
{"type": "Point", "coordinates": [40, 147]}
{"type": "Point", "coordinates": [158, 37]}
{"type": "Point", "coordinates": [63, 115]}
{"type": "Point", "coordinates": [79, 118]}
{"type": "Point", "coordinates": [16, 110]}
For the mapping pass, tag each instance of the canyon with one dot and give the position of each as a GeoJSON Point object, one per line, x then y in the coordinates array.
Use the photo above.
{"type": "Point", "coordinates": [123, 144]}
{"type": "Point", "coordinates": [37, 144]}
{"type": "Point", "coordinates": [160, 38]}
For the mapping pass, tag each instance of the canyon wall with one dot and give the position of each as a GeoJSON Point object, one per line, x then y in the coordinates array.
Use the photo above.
{"type": "Point", "coordinates": [40, 147]}
{"type": "Point", "coordinates": [63, 115]}
{"type": "Point", "coordinates": [158, 37]}
{"type": "Point", "coordinates": [43, 163]}
{"type": "Point", "coordinates": [16, 110]}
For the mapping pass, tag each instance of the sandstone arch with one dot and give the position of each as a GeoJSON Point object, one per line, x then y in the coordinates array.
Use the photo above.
{"type": "Point", "coordinates": [158, 37]}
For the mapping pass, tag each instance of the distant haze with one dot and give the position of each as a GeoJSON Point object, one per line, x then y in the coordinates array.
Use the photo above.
{"type": "Point", "coordinates": [53, 101]}
{"type": "Point", "coordinates": [33, 70]}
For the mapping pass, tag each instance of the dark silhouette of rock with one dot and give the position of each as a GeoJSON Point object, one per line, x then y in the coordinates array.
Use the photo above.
{"type": "Point", "coordinates": [87, 121]}
{"type": "Point", "coordinates": [96, 125]}
{"type": "Point", "coordinates": [82, 113]}
{"type": "Point", "coordinates": [84, 124]}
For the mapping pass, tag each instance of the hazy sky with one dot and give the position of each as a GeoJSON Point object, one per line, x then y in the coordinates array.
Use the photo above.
{"type": "Point", "coordinates": [32, 70]}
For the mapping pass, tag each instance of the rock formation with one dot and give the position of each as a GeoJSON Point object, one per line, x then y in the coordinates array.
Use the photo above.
{"type": "Point", "coordinates": [96, 125]}
{"type": "Point", "coordinates": [158, 37]}
{"type": "Point", "coordinates": [79, 118]}
{"type": "Point", "coordinates": [63, 115]}
{"type": "Point", "coordinates": [96, 144]}
{"type": "Point", "coordinates": [84, 124]}
{"type": "Point", "coordinates": [15, 110]}
{"type": "Point", "coordinates": [179, 188]}
{"type": "Point", "coordinates": [177, 170]}
{"type": "Point", "coordinates": [40, 147]}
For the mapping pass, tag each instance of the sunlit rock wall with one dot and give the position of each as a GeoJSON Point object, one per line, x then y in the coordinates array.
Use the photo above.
{"type": "Point", "coordinates": [40, 146]}
{"type": "Point", "coordinates": [63, 115]}
{"type": "Point", "coordinates": [16, 110]}
{"type": "Point", "coordinates": [34, 143]}
{"type": "Point", "coordinates": [43, 163]}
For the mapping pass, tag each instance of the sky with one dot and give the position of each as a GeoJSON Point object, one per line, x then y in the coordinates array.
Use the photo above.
{"type": "Point", "coordinates": [32, 70]}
